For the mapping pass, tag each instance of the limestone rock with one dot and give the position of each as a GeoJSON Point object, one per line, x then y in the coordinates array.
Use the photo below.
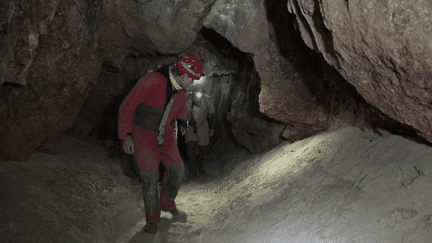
{"type": "Point", "coordinates": [166, 26]}
{"type": "Point", "coordinates": [382, 48]}
{"type": "Point", "coordinates": [251, 129]}
{"type": "Point", "coordinates": [46, 82]}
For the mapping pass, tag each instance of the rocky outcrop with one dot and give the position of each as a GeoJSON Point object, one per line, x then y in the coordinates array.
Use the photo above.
{"type": "Point", "coordinates": [70, 62]}
{"type": "Point", "coordinates": [50, 68]}
{"type": "Point", "coordinates": [285, 95]}
{"type": "Point", "coordinates": [52, 53]}
{"type": "Point", "coordinates": [382, 48]}
{"type": "Point", "coordinates": [165, 26]}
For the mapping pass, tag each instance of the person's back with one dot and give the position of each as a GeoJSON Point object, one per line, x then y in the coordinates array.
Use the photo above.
{"type": "Point", "coordinates": [197, 136]}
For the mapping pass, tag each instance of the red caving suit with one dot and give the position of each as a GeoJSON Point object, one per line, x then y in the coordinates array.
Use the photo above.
{"type": "Point", "coordinates": [151, 91]}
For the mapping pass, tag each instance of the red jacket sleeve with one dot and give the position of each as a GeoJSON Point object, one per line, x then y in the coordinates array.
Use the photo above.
{"type": "Point", "coordinates": [141, 92]}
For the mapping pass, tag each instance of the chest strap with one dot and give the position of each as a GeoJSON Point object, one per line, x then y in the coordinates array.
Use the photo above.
{"type": "Point", "coordinates": [159, 137]}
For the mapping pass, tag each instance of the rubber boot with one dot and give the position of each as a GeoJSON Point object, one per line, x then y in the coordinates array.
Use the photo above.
{"type": "Point", "coordinates": [178, 215]}
{"type": "Point", "coordinates": [151, 228]}
{"type": "Point", "coordinates": [151, 204]}
{"type": "Point", "coordinates": [200, 169]}
{"type": "Point", "coordinates": [202, 152]}
{"type": "Point", "coordinates": [170, 187]}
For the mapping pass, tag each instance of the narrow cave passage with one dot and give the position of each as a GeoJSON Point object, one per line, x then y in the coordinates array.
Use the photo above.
{"type": "Point", "coordinates": [343, 186]}
{"type": "Point", "coordinates": [232, 84]}
{"type": "Point", "coordinates": [68, 65]}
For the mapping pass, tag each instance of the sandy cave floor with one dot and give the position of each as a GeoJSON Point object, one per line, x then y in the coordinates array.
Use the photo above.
{"type": "Point", "coordinates": [342, 186]}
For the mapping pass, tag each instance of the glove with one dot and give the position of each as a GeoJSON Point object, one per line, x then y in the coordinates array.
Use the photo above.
{"type": "Point", "coordinates": [128, 145]}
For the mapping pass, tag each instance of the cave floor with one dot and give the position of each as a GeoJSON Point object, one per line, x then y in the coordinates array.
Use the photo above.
{"type": "Point", "coordinates": [342, 186]}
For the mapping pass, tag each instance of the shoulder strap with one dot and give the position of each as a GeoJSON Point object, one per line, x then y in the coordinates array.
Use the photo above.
{"type": "Point", "coordinates": [164, 71]}
{"type": "Point", "coordinates": [163, 122]}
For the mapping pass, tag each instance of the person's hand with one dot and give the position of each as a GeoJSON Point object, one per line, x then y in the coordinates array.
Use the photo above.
{"type": "Point", "coordinates": [128, 145]}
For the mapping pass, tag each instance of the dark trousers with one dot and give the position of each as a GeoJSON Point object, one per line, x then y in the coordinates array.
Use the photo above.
{"type": "Point", "coordinates": [196, 154]}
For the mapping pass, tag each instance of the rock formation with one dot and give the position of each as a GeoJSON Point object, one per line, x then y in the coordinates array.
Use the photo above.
{"type": "Point", "coordinates": [52, 53]}
{"type": "Point", "coordinates": [382, 48]}
{"type": "Point", "coordinates": [64, 65]}
{"type": "Point", "coordinates": [284, 95]}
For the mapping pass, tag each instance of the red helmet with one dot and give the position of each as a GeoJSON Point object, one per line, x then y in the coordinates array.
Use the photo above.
{"type": "Point", "coordinates": [190, 65]}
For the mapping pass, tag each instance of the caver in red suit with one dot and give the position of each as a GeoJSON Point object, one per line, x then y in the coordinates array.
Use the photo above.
{"type": "Point", "coordinates": [148, 127]}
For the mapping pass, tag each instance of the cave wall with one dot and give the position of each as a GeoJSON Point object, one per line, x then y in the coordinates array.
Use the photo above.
{"type": "Point", "coordinates": [285, 95]}
{"type": "Point", "coordinates": [48, 69]}
{"type": "Point", "coordinates": [52, 53]}
{"type": "Point", "coordinates": [64, 64]}
{"type": "Point", "coordinates": [382, 48]}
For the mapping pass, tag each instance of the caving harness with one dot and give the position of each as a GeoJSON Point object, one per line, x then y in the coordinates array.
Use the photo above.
{"type": "Point", "coordinates": [155, 119]}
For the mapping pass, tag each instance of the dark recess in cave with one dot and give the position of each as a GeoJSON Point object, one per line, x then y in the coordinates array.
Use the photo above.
{"type": "Point", "coordinates": [292, 47]}
{"type": "Point", "coordinates": [246, 78]}
{"type": "Point", "coordinates": [246, 67]}
{"type": "Point", "coordinates": [222, 45]}
{"type": "Point", "coordinates": [234, 59]}
{"type": "Point", "coordinates": [13, 85]}
{"type": "Point", "coordinates": [227, 55]}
